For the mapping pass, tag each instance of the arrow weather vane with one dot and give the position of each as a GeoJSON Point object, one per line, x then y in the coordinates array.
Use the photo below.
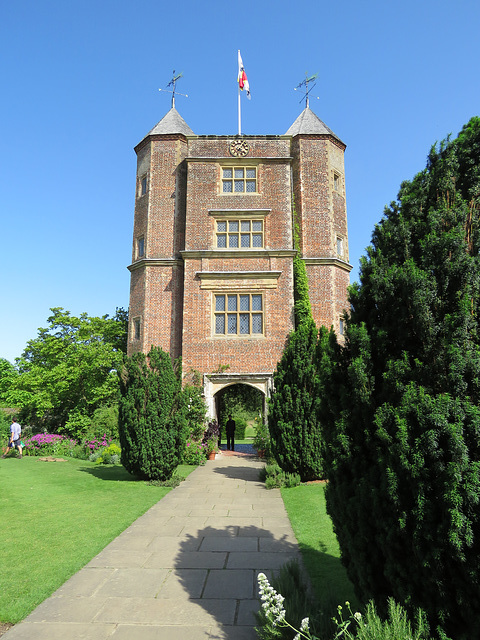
{"type": "Point", "coordinates": [172, 84]}
{"type": "Point", "coordinates": [304, 83]}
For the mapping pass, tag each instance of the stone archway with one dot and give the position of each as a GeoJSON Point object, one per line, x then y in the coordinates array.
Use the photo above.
{"type": "Point", "coordinates": [215, 382]}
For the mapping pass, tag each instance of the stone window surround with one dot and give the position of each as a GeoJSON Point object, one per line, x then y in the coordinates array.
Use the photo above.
{"type": "Point", "coordinates": [337, 182]}
{"type": "Point", "coordinates": [239, 214]}
{"type": "Point", "coordinates": [142, 185]}
{"type": "Point", "coordinates": [225, 282]}
{"type": "Point", "coordinates": [140, 247]}
{"type": "Point", "coordinates": [245, 167]}
{"type": "Point", "coordinates": [252, 313]}
{"type": "Point", "coordinates": [340, 245]}
{"type": "Point", "coordinates": [136, 328]}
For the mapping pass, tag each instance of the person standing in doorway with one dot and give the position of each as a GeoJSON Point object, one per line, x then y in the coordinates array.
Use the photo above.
{"type": "Point", "coordinates": [14, 442]}
{"type": "Point", "coordinates": [230, 429]}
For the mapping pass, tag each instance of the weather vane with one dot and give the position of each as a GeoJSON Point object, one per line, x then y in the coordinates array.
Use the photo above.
{"type": "Point", "coordinates": [172, 84]}
{"type": "Point", "coordinates": [307, 89]}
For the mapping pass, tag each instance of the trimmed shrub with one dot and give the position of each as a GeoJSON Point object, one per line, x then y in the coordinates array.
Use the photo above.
{"type": "Point", "coordinates": [151, 416]}
{"type": "Point", "coordinates": [293, 420]}
{"type": "Point", "coordinates": [275, 478]}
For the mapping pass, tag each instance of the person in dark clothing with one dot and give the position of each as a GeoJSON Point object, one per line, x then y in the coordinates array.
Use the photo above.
{"type": "Point", "coordinates": [230, 429]}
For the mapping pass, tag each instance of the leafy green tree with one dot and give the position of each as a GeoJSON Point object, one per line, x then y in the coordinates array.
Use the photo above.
{"type": "Point", "coordinates": [8, 375]}
{"type": "Point", "coordinates": [68, 371]}
{"type": "Point", "coordinates": [151, 416]}
{"type": "Point", "coordinates": [402, 423]}
{"type": "Point", "coordinates": [293, 419]}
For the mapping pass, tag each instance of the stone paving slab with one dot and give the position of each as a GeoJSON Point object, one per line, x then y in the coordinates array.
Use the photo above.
{"type": "Point", "coordinates": [185, 570]}
{"type": "Point", "coordinates": [149, 632]}
{"type": "Point", "coordinates": [62, 631]}
{"type": "Point", "coordinates": [184, 583]}
{"type": "Point", "coordinates": [167, 611]}
{"type": "Point", "coordinates": [230, 585]}
{"type": "Point", "coordinates": [137, 582]}
{"type": "Point", "coordinates": [86, 582]}
{"type": "Point", "coordinates": [229, 543]}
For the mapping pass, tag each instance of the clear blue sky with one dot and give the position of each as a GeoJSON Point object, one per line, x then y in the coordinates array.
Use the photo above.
{"type": "Point", "coordinates": [80, 82]}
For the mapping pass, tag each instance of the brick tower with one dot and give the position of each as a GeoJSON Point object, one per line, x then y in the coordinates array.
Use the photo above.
{"type": "Point", "coordinates": [212, 261]}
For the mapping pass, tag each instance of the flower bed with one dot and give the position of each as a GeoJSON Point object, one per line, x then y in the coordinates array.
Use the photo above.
{"type": "Point", "coordinates": [52, 444]}
{"type": "Point", "coordinates": [49, 444]}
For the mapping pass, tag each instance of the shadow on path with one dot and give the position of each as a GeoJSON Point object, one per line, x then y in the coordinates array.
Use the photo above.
{"type": "Point", "coordinates": [218, 568]}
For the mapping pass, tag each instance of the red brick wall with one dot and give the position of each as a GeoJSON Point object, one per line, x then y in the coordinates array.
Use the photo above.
{"type": "Point", "coordinates": [321, 215]}
{"type": "Point", "coordinates": [205, 352]}
{"type": "Point", "coordinates": [201, 349]}
{"type": "Point", "coordinates": [177, 218]}
{"type": "Point", "coordinates": [157, 290]}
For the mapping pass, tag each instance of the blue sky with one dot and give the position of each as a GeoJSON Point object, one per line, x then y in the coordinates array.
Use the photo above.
{"type": "Point", "coordinates": [80, 82]}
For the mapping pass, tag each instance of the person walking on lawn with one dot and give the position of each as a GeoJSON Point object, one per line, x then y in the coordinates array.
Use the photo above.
{"type": "Point", "coordinates": [14, 442]}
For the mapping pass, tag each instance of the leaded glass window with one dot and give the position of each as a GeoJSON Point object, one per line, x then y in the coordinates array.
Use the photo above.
{"type": "Point", "coordinates": [239, 314]}
{"type": "Point", "coordinates": [243, 234]}
{"type": "Point", "coordinates": [239, 179]}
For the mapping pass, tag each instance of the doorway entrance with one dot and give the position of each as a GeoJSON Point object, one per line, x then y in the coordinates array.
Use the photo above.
{"type": "Point", "coordinates": [219, 401]}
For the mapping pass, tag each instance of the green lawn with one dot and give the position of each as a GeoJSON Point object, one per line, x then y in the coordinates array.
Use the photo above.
{"type": "Point", "coordinates": [313, 529]}
{"type": "Point", "coordinates": [55, 517]}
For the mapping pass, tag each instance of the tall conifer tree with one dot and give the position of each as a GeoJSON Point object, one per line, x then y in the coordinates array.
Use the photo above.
{"type": "Point", "coordinates": [403, 455]}
{"type": "Point", "coordinates": [293, 418]}
{"type": "Point", "coordinates": [294, 407]}
{"type": "Point", "coordinates": [151, 416]}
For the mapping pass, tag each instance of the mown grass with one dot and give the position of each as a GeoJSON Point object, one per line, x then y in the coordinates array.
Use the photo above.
{"type": "Point", "coordinates": [55, 517]}
{"type": "Point", "coordinates": [306, 508]}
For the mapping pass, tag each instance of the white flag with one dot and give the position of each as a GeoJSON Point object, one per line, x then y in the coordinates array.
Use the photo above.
{"type": "Point", "coordinates": [242, 77]}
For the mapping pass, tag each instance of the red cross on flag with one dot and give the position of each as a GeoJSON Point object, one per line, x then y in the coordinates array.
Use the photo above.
{"type": "Point", "coordinates": [242, 77]}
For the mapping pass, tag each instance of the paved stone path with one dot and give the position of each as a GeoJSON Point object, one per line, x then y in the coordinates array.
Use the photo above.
{"type": "Point", "coordinates": [185, 570]}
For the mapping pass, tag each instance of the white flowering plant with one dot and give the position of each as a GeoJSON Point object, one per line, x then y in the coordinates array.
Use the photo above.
{"type": "Point", "coordinates": [353, 627]}
{"type": "Point", "coordinates": [272, 605]}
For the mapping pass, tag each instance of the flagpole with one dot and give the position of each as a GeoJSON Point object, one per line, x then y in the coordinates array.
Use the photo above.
{"type": "Point", "coordinates": [239, 113]}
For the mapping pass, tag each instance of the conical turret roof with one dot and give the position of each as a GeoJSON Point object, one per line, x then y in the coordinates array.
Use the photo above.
{"type": "Point", "coordinates": [171, 123]}
{"type": "Point", "coordinates": [308, 123]}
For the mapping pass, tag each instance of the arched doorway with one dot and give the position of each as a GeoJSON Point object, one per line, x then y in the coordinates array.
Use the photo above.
{"type": "Point", "coordinates": [245, 404]}
{"type": "Point", "coordinates": [214, 383]}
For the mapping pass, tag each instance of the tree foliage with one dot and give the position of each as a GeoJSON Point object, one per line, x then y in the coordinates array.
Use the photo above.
{"type": "Point", "coordinates": [8, 375]}
{"type": "Point", "coordinates": [293, 422]}
{"type": "Point", "coordinates": [151, 416]}
{"type": "Point", "coordinates": [403, 429]}
{"type": "Point", "coordinates": [68, 371]}
{"type": "Point", "coordinates": [196, 411]}
{"type": "Point", "coordinates": [294, 408]}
